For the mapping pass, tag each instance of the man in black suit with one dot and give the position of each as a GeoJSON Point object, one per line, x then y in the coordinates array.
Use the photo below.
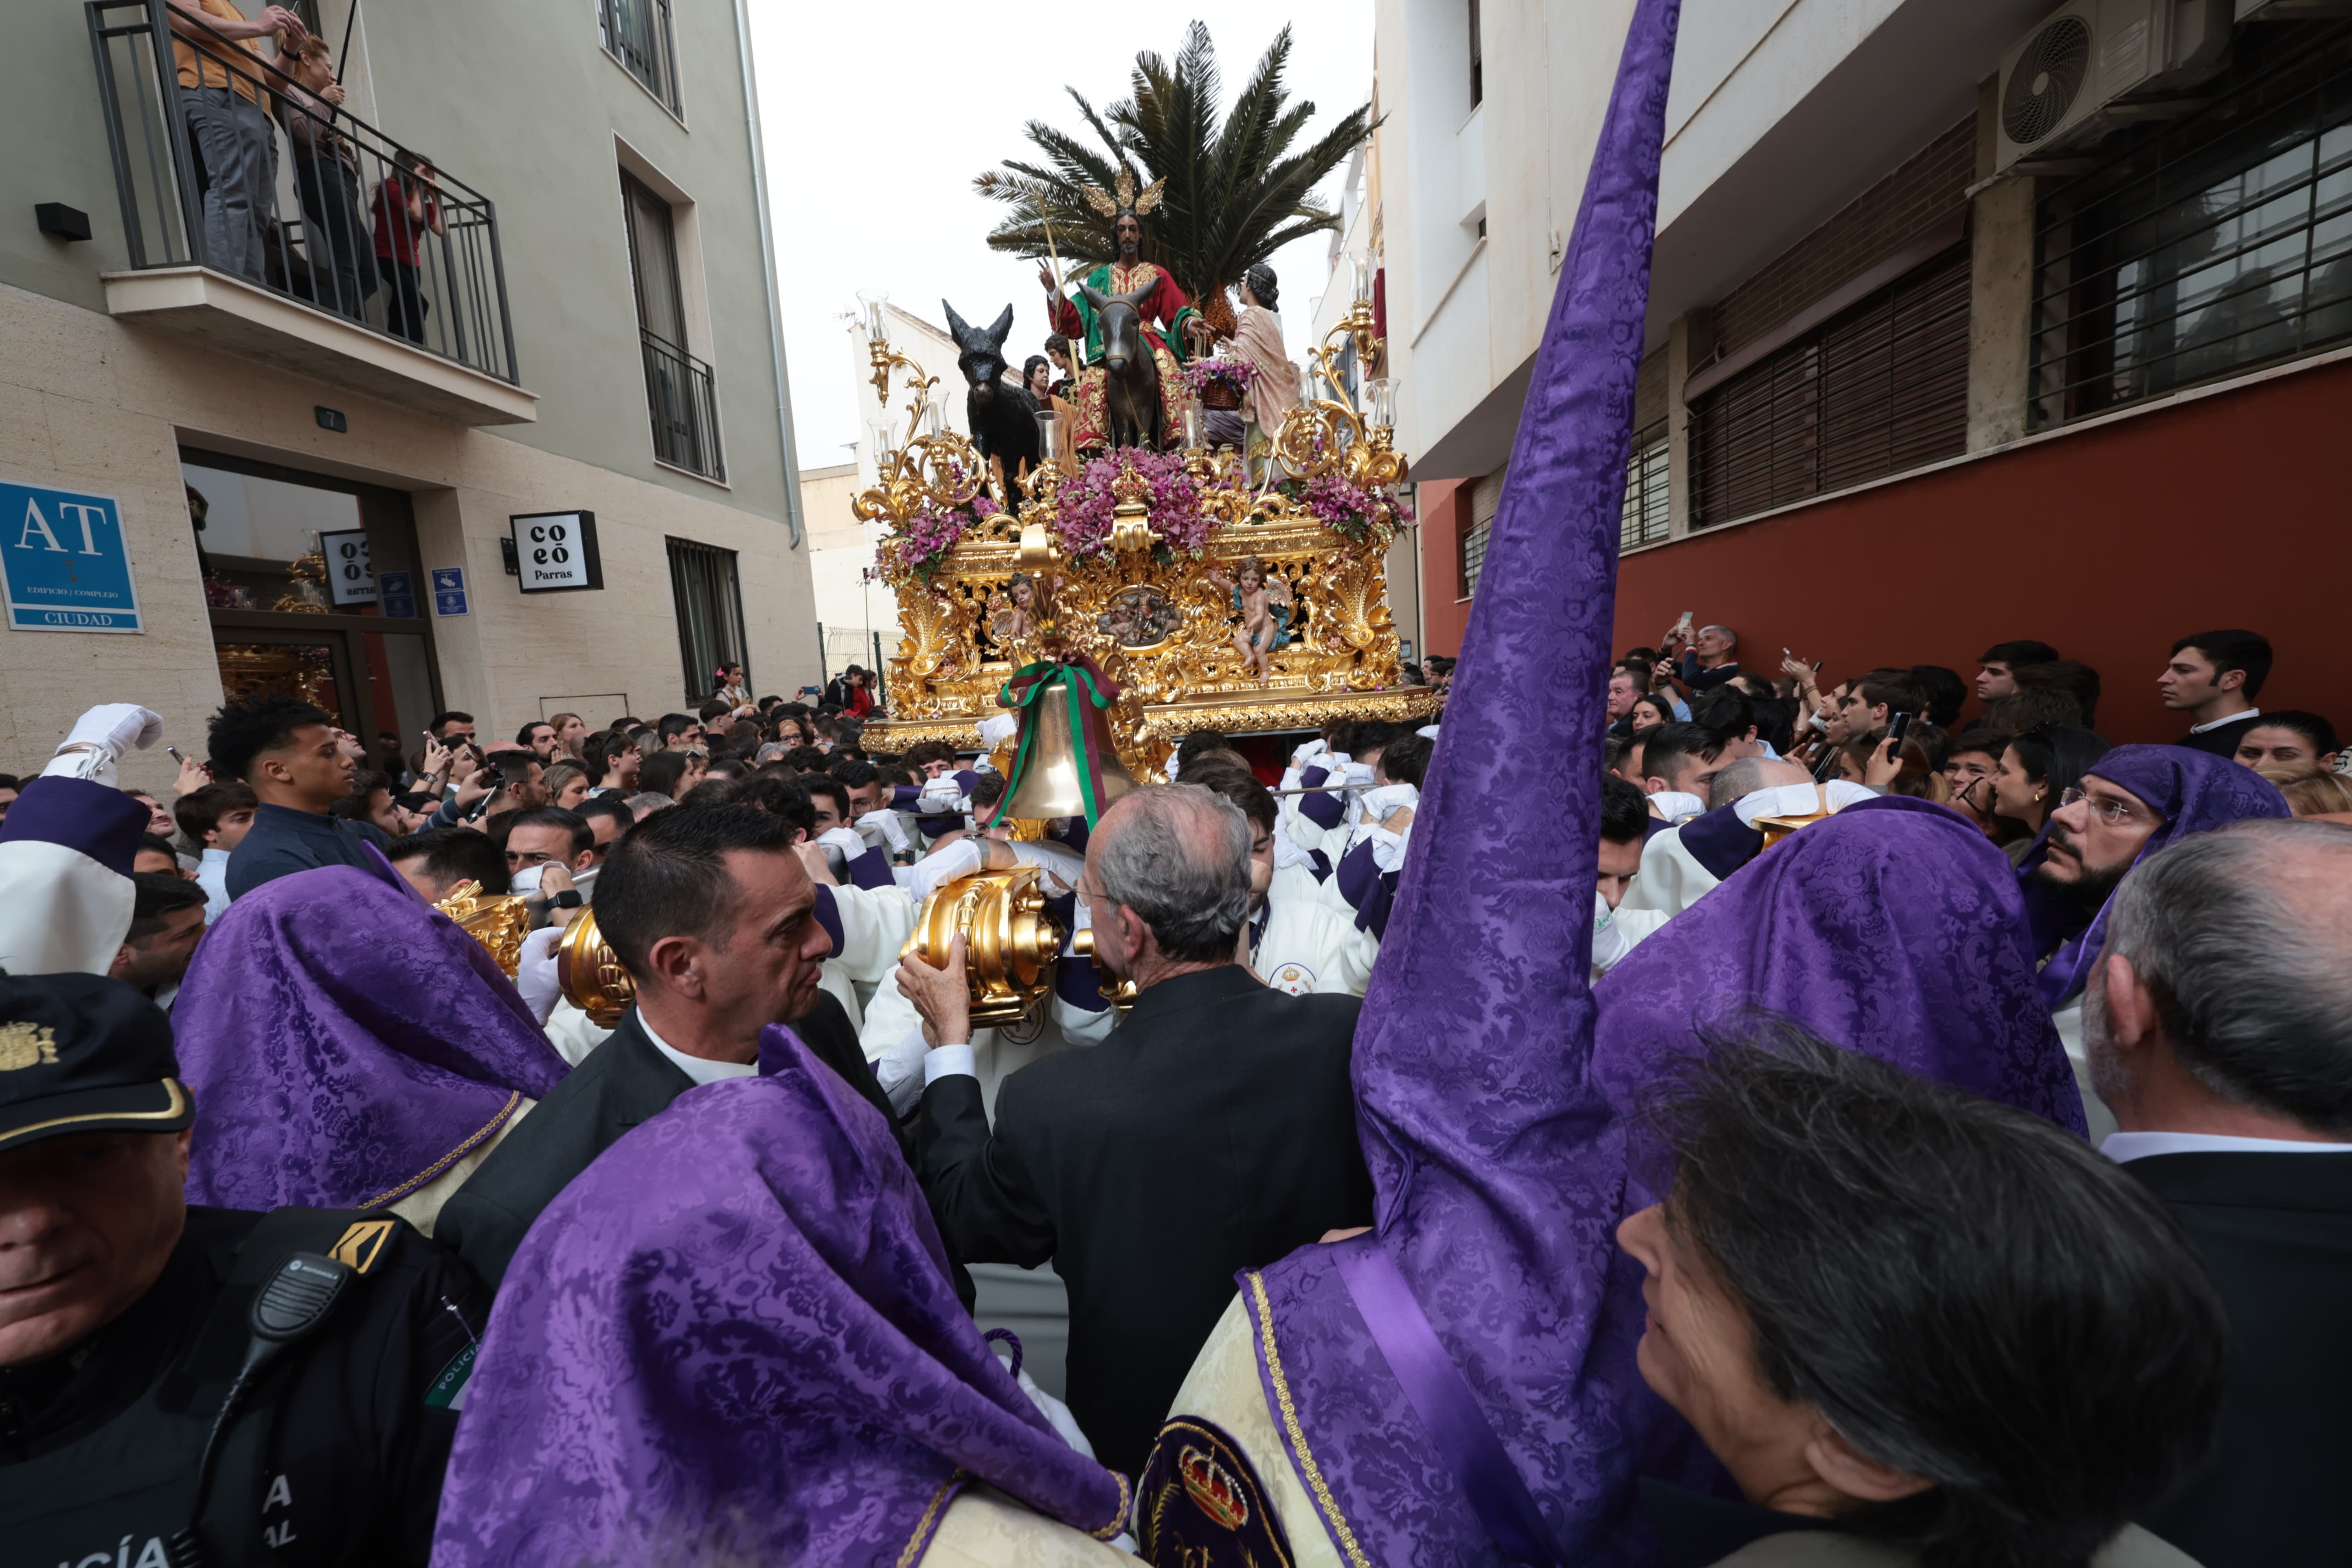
{"type": "Point", "coordinates": [2214, 677]}
{"type": "Point", "coordinates": [2219, 1028]}
{"type": "Point", "coordinates": [709, 910]}
{"type": "Point", "coordinates": [1214, 1129]}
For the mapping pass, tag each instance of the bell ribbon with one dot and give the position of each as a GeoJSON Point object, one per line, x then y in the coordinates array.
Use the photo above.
{"type": "Point", "coordinates": [1028, 684]}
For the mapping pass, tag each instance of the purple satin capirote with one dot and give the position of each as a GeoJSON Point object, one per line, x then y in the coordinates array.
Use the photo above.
{"type": "Point", "coordinates": [1479, 1121]}
{"type": "Point", "coordinates": [732, 1340]}
{"type": "Point", "coordinates": [2193, 791]}
{"type": "Point", "coordinates": [346, 1043]}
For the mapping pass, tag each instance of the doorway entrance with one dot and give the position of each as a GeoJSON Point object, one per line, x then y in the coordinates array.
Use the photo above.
{"type": "Point", "coordinates": [303, 576]}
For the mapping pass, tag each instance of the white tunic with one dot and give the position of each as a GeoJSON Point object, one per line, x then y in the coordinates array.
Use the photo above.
{"type": "Point", "coordinates": [1309, 946]}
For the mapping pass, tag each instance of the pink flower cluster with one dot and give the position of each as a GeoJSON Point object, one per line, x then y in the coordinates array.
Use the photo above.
{"type": "Point", "coordinates": [928, 539]}
{"type": "Point", "coordinates": [1200, 373]}
{"type": "Point", "coordinates": [1346, 510]}
{"type": "Point", "coordinates": [1088, 504]}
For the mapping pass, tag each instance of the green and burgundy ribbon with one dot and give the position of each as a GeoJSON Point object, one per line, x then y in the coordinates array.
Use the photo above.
{"type": "Point", "coordinates": [1090, 693]}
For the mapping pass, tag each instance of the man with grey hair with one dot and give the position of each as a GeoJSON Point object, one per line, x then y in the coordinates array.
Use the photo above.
{"type": "Point", "coordinates": [1704, 662]}
{"type": "Point", "coordinates": [1214, 1131]}
{"type": "Point", "coordinates": [2218, 1025]}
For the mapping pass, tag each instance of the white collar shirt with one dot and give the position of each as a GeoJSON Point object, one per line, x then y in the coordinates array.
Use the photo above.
{"type": "Point", "coordinates": [701, 1070]}
{"type": "Point", "coordinates": [2122, 1147]}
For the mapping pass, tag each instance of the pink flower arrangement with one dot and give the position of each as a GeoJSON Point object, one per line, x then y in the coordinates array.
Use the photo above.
{"type": "Point", "coordinates": [930, 537]}
{"type": "Point", "coordinates": [1348, 510]}
{"type": "Point", "coordinates": [1202, 373]}
{"type": "Point", "coordinates": [1087, 505]}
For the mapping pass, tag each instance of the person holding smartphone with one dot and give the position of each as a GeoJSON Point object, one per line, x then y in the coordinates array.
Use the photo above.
{"type": "Point", "coordinates": [1701, 661]}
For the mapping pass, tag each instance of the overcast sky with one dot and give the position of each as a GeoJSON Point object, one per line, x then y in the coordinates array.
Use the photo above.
{"type": "Point", "coordinates": [877, 118]}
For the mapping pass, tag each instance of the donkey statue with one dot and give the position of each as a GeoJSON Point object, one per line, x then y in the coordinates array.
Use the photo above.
{"type": "Point", "coordinates": [1003, 417]}
{"type": "Point", "coordinates": [1132, 410]}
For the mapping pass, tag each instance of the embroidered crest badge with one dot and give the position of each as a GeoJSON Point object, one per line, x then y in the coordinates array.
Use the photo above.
{"type": "Point", "coordinates": [1295, 978]}
{"type": "Point", "coordinates": [26, 1044]}
{"type": "Point", "coordinates": [1203, 1506]}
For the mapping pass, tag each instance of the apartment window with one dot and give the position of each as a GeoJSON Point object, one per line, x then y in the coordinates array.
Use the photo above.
{"type": "Point", "coordinates": [1477, 60]}
{"type": "Point", "coordinates": [1644, 520]}
{"type": "Point", "coordinates": [1878, 388]}
{"type": "Point", "coordinates": [2204, 248]}
{"type": "Point", "coordinates": [1486, 496]}
{"type": "Point", "coordinates": [710, 605]}
{"type": "Point", "coordinates": [637, 34]}
{"type": "Point", "coordinates": [680, 392]}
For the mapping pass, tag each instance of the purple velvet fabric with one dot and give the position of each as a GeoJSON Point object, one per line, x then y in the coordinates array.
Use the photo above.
{"type": "Point", "coordinates": [732, 1340]}
{"type": "Point", "coordinates": [2194, 793]}
{"type": "Point", "coordinates": [346, 1043]}
{"type": "Point", "coordinates": [1479, 1117]}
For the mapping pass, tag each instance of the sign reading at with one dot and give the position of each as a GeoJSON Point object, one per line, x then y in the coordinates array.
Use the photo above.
{"type": "Point", "coordinates": [350, 575]}
{"type": "Point", "coordinates": [556, 552]}
{"type": "Point", "coordinates": [399, 591]}
{"type": "Point", "coordinates": [449, 590]}
{"type": "Point", "coordinates": [66, 564]}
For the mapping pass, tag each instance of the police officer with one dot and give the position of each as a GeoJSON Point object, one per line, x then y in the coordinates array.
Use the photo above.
{"type": "Point", "coordinates": [308, 1364]}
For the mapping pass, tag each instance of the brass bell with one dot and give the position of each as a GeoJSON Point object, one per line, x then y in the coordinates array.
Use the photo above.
{"type": "Point", "coordinates": [591, 973]}
{"type": "Point", "coordinates": [1011, 942]}
{"type": "Point", "coordinates": [1049, 785]}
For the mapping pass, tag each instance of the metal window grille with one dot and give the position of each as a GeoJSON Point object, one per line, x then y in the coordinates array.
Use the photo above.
{"type": "Point", "coordinates": [1645, 516]}
{"type": "Point", "coordinates": [637, 33]}
{"type": "Point", "coordinates": [1878, 388]}
{"type": "Point", "coordinates": [439, 284]}
{"type": "Point", "coordinates": [684, 402]}
{"type": "Point", "coordinates": [710, 605]}
{"type": "Point", "coordinates": [1473, 555]}
{"type": "Point", "coordinates": [2204, 248]}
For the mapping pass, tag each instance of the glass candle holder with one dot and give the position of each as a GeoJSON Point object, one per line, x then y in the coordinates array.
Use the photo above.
{"type": "Point", "coordinates": [871, 300]}
{"type": "Point", "coordinates": [1196, 423]}
{"type": "Point", "coordinates": [1360, 263]}
{"type": "Point", "coordinates": [1051, 438]}
{"type": "Point", "coordinates": [1380, 403]}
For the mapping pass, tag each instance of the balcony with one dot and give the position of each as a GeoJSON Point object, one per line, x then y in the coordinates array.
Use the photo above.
{"type": "Point", "coordinates": [685, 405]}
{"type": "Point", "coordinates": [361, 264]}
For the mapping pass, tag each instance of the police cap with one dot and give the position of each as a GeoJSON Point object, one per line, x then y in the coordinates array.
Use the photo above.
{"type": "Point", "coordinates": [83, 1053]}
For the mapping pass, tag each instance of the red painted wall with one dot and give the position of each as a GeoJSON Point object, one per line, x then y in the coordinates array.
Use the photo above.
{"type": "Point", "coordinates": [2231, 510]}
{"type": "Point", "coordinates": [1443, 507]}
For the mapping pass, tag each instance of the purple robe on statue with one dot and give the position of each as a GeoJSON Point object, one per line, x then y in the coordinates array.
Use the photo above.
{"type": "Point", "coordinates": [731, 1340]}
{"type": "Point", "coordinates": [2194, 793]}
{"type": "Point", "coordinates": [346, 1043]}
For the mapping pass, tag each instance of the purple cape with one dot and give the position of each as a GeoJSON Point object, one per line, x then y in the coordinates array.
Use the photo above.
{"type": "Point", "coordinates": [1479, 1118]}
{"type": "Point", "coordinates": [346, 1043]}
{"type": "Point", "coordinates": [2194, 793]}
{"type": "Point", "coordinates": [732, 1340]}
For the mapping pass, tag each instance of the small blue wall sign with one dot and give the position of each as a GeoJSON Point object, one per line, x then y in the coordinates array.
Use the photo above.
{"type": "Point", "coordinates": [66, 565]}
{"type": "Point", "coordinates": [449, 590]}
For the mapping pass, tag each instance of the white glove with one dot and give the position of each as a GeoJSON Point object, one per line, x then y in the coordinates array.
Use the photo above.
{"type": "Point", "coordinates": [100, 737]}
{"type": "Point", "coordinates": [1379, 803]}
{"type": "Point", "coordinates": [1799, 800]}
{"type": "Point", "coordinates": [844, 840]}
{"type": "Point", "coordinates": [535, 975]}
{"type": "Point", "coordinates": [942, 793]}
{"type": "Point", "coordinates": [1676, 806]}
{"type": "Point", "coordinates": [1610, 944]}
{"type": "Point", "coordinates": [1285, 853]}
{"type": "Point", "coordinates": [941, 867]}
{"type": "Point", "coordinates": [1306, 756]}
{"type": "Point", "coordinates": [1357, 775]}
{"type": "Point", "coordinates": [881, 828]}
{"type": "Point", "coordinates": [1062, 865]}
{"type": "Point", "coordinates": [1428, 730]}
{"type": "Point", "coordinates": [997, 729]}
{"type": "Point", "coordinates": [1388, 849]}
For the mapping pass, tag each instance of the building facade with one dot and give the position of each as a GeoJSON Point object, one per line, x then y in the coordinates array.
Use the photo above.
{"type": "Point", "coordinates": [1966, 322]}
{"type": "Point", "coordinates": [572, 314]}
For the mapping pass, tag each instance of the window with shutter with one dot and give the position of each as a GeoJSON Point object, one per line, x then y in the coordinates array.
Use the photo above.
{"type": "Point", "coordinates": [710, 605]}
{"type": "Point", "coordinates": [1881, 387]}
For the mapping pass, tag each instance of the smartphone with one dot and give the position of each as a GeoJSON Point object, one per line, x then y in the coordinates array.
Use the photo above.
{"type": "Point", "coordinates": [1684, 625]}
{"type": "Point", "coordinates": [175, 755]}
{"type": "Point", "coordinates": [1897, 728]}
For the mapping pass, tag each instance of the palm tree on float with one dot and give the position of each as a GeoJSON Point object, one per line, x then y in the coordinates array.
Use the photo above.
{"type": "Point", "coordinates": [1235, 193]}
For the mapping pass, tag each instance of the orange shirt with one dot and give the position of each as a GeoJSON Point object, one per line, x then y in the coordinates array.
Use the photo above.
{"type": "Point", "coordinates": [216, 67]}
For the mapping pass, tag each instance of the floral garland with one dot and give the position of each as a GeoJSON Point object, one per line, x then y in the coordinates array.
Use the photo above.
{"type": "Point", "coordinates": [931, 536]}
{"type": "Point", "coordinates": [1349, 510]}
{"type": "Point", "coordinates": [1202, 373]}
{"type": "Point", "coordinates": [1086, 504]}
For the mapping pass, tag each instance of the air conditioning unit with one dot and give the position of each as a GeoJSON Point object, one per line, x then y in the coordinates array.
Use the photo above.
{"type": "Point", "coordinates": [2094, 64]}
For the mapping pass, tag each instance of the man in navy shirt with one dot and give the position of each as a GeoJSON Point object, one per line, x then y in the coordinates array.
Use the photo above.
{"type": "Point", "coordinates": [287, 752]}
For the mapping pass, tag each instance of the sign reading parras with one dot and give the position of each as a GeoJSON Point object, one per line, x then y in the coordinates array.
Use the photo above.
{"type": "Point", "coordinates": [64, 561]}
{"type": "Point", "coordinates": [556, 550]}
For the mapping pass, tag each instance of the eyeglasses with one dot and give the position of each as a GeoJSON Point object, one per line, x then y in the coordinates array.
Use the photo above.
{"type": "Point", "coordinates": [2105, 808]}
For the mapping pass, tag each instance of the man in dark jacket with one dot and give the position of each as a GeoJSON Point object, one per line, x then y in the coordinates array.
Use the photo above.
{"type": "Point", "coordinates": [1214, 1129]}
{"type": "Point", "coordinates": [291, 755]}
{"type": "Point", "coordinates": [2218, 1029]}
{"type": "Point", "coordinates": [711, 912]}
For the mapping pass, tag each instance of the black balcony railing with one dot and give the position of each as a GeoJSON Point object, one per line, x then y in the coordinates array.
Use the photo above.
{"type": "Point", "coordinates": [685, 406]}
{"type": "Point", "coordinates": [377, 233]}
{"type": "Point", "coordinates": [637, 34]}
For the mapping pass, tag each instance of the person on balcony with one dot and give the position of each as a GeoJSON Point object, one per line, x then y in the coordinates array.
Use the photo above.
{"type": "Point", "coordinates": [220, 94]}
{"type": "Point", "coordinates": [407, 205]}
{"type": "Point", "coordinates": [327, 182]}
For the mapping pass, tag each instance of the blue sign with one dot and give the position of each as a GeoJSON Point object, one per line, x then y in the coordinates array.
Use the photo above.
{"type": "Point", "coordinates": [396, 593]}
{"type": "Point", "coordinates": [66, 564]}
{"type": "Point", "coordinates": [448, 590]}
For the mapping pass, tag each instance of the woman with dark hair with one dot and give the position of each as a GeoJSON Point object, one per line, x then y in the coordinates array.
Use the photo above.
{"type": "Point", "coordinates": [1257, 338]}
{"type": "Point", "coordinates": [2039, 767]}
{"type": "Point", "coordinates": [1650, 710]}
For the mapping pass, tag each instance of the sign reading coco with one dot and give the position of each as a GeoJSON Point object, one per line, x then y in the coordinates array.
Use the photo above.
{"type": "Point", "coordinates": [555, 552]}
{"type": "Point", "coordinates": [66, 564]}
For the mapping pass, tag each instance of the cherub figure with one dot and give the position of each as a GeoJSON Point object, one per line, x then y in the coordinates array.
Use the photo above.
{"type": "Point", "coordinates": [1010, 614]}
{"type": "Point", "coordinates": [1262, 601]}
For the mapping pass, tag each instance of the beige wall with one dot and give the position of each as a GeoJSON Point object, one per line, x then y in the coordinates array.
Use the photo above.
{"type": "Point", "coordinates": [89, 403]}
{"type": "Point", "coordinates": [840, 550]}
